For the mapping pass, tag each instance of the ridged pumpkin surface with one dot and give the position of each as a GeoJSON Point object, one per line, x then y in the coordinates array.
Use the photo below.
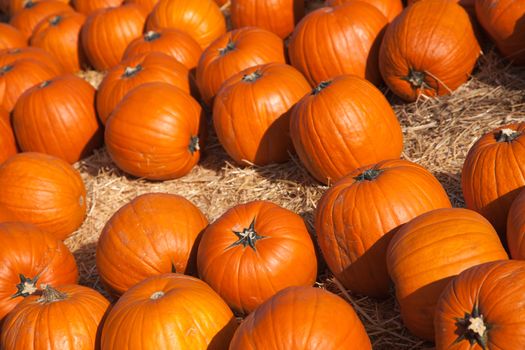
{"type": "Point", "coordinates": [389, 8]}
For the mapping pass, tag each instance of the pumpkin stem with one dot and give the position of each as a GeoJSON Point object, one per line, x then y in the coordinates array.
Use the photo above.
{"type": "Point", "coordinates": [229, 47]}
{"type": "Point", "coordinates": [26, 287]}
{"type": "Point", "coordinates": [250, 78]}
{"type": "Point", "coordinates": [247, 237]}
{"type": "Point", "coordinates": [322, 85]}
{"type": "Point", "coordinates": [151, 35]}
{"type": "Point", "coordinates": [50, 295]}
{"type": "Point", "coordinates": [55, 20]}
{"type": "Point", "coordinates": [473, 328]}
{"type": "Point", "coordinates": [131, 71]}
{"type": "Point", "coordinates": [6, 69]}
{"type": "Point", "coordinates": [157, 295]}
{"type": "Point", "coordinates": [507, 135]}
{"type": "Point", "coordinates": [194, 144]}
{"type": "Point", "coordinates": [28, 4]}
{"type": "Point", "coordinates": [416, 79]}
{"type": "Point", "coordinates": [44, 83]}
{"type": "Point", "coordinates": [368, 175]}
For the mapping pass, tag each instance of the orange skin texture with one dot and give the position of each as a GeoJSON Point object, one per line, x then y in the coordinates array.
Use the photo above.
{"type": "Point", "coordinates": [356, 219]}
{"type": "Point", "coordinates": [201, 19]}
{"type": "Point", "coordinates": [148, 5]}
{"type": "Point", "coordinates": [345, 126]}
{"type": "Point", "coordinates": [43, 190]}
{"type": "Point", "coordinates": [107, 32]}
{"type": "Point", "coordinates": [467, 4]}
{"type": "Point", "coordinates": [190, 315]}
{"type": "Point", "coordinates": [493, 175]}
{"type": "Point", "coordinates": [172, 42]}
{"type": "Point", "coordinates": [153, 234]}
{"type": "Point", "coordinates": [277, 16]}
{"type": "Point", "coordinates": [170, 130]}
{"type": "Point", "coordinates": [244, 276]}
{"type": "Point", "coordinates": [330, 41]}
{"type": "Point", "coordinates": [496, 288]}
{"type": "Point", "coordinates": [503, 21]}
{"type": "Point", "coordinates": [43, 57]}
{"type": "Point", "coordinates": [33, 253]}
{"type": "Point", "coordinates": [516, 227]}
{"type": "Point", "coordinates": [436, 40]}
{"type": "Point", "coordinates": [44, 324]}
{"type": "Point", "coordinates": [13, 6]}
{"type": "Point", "coordinates": [302, 318]}
{"type": "Point", "coordinates": [10, 37]}
{"type": "Point", "coordinates": [154, 67]}
{"type": "Point", "coordinates": [261, 107]}
{"type": "Point", "coordinates": [389, 8]}
{"type": "Point", "coordinates": [59, 35]}
{"type": "Point", "coordinates": [89, 6]}
{"type": "Point", "coordinates": [8, 145]}
{"type": "Point", "coordinates": [28, 18]}
{"type": "Point", "coordinates": [252, 46]}
{"type": "Point", "coordinates": [428, 252]}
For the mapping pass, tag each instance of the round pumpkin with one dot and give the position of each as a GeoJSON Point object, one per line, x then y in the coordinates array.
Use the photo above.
{"type": "Point", "coordinates": [322, 41]}
{"type": "Point", "coordinates": [201, 19]}
{"type": "Point", "coordinates": [277, 16]}
{"type": "Point", "coordinates": [428, 252]}
{"type": "Point", "coordinates": [358, 216]}
{"type": "Point", "coordinates": [43, 190]}
{"type": "Point", "coordinates": [10, 37]}
{"type": "Point", "coordinates": [174, 131]}
{"type": "Point", "coordinates": [516, 227]}
{"type": "Point", "coordinates": [233, 52]}
{"type": "Point", "coordinates": [8, 145]}
{"type": "Point", "coordinates": [494, 173]}
{"type": "Point", "coordinates": [466, 4]}
{"type": "Point", "coordinates": [59, 35]}
{"type": "Point", "coordinates": [429, 49]}
{"type": "Point", "coordinates": [148, 5]}
{"type": "Point", "coordinates": [29, 258]}
{"type": "Point", "coordinates": [188, 314]}
{"type": "Point", "coordinates": [107, 32]}
{"type": "Point", "coordinates": [342, 125]}
{"type": "Point", "coordinates": [251, 113]}
{"type": "Point", "coordinates": [389, 8]}
{"type": "Point", "coordinates": [135, 71]}
{"type": "Point", "coordinates": [253, 251]}
{"type": "Point", "coordinates": [9, 56]}
{"type": "Point", "coordinates": [89, 6]}
{"type": "Point", "coordinates": [302, 318]}
{"type": "Point", "coordinates": [42, 319]}
{"type": "Point", "coordinates": [13, 6]}
{"type": "Point", "coordinates": [154, 233]}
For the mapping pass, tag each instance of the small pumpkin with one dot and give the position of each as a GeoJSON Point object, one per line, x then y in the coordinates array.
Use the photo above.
{"type": "Point", "coordinates": [342, 125]}
{"type": "Point", "coordinates": [89, 6]}
{"type": "Point", "coordinates": [39, 315]}
{"type": "Point", "coordinates": [389, 8]}
{"type": "Point", "coordinates": [10, 37]}
{"type": "Point", "coordinates": [253, 251]}
{"type": "Point", "coordinates": [8, 145]}
{"type": "Point", "coordinates": [43, 190]}
{"type": "Point", "coordinates": [516, 227]}
{"type": "Point", "coordinates": [9, 56]}
{"type": "Point", "coordinates": [190, 316]}
{"type": "Point", "coordinates": [148, 5]}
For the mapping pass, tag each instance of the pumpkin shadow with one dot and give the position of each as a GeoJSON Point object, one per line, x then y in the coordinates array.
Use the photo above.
{"type": "Point", "coordinates": [309, 217]}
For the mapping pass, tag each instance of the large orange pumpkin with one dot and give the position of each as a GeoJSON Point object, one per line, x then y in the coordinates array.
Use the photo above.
{"type": "Point", "coordinates": [429, 49]}
{"type": "Point", "coordinates": [516, 227]}
{"type": "Point", "coordinates": [344, 124]}
{"type": "Point", "coordinates": [170, 311]}
{"type": "Point", "coordinates": [494, 173]}
{"type": "Point", "coordinates": [42, 319]}
{"type": "Point", "coordinates": [253, 251]}
{"type": "Point", "coordinates": [428, 252]}
{"type": "Point", "coordinates": [28, 258]}
{"type": "Point", "coordinates": [88, 6]}
{"type": "Point", "coordinates": [173, 132]}
{"type": "Point", "coordinates": [258, 99]}
{"type": "Point", "coordinates": [8, 145]}
{"type": "Point", "coordinates": [9, 56]}
{"type": "Point", "coordinates": [10, 37]}
{"type": "Point", "coordinates": [354, 235]}
{"type": "Point", "coordinates": [341, 40]}
{"type": "Point", "coordinates": [389, 8]}
{"type": "Point", "coordinates": [43, 190]}
{"type": "Point", "coordinates": [302, 318]}
{"type": "Point", "coordinates": [148, 5]}
{"type": "Point", "coordinates": [13, 6]}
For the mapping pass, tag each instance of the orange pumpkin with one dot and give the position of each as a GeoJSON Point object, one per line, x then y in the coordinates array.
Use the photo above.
{"type": "Point", "coordinates": [389, 8]}
{"type": "Point", "coordinates": [516, 227]}
{"type": "Point", "coordinates": [322, 41]}
{"type": "Point", "coordinates": [148, 5]}
{"type": "Point", "coordinates": [231, 53]}
{"type": "Point", "coordinates": [10, 37]}
{"type": "Point", "coordinates": [428, 252]}
{"type": "Point", "coordinates": [43, 190]}
{"type": "Point", "coordinates": [9, 56]}
{"type": "Point", "coordinates": [253, 251]}
{"type": "Point", "coordinates": [172, 130]}
{"type": "Point", "coordinates": [467, 4]}
{"type": "Point", "coordinates": [89, 6]}
{"type": "Point", "coordinates": [28, 258]}
{"type": "Point", "coordinates": [8, 146]}
{"type": "Point", "coordinates": [190, 316]}
{"type": "Point", "coordinates": [344, 124]}
{"type": "Point", "coordinates": [13, 6]}
{"type": "Point", "coordinates": [258, 99]}
{"type": "Point", "coordinates": [40, 315]}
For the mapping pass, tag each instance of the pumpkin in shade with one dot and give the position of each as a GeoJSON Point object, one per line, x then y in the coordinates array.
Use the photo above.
{"type": "Point", "coordinates": [516, 227]}
{"type": "Point", "coordinates": [277, 16]}
{"type": "Point", "coordinates": [233, 52]}
{"type": "Point", "coordinates": [332, 41]}
{"type": "Point", "coordinates": [344, 124]}
{"type": "Point", "coordinates": [41, 314]}
{"type": "Point", "coordinates": [482, 308]}
{"type": "Point", "coordinates": [188, 314]}
{"type": "Point", "coordinates": [10, 37]}
{"type": "Point", "coordinates": [13, 6]}
{"type": "Point", "coordinates": [504, 21]}
{"type": "Point", "coordinates": [135, 71]}
{"type": "Point", "coordinates": [253, 251]}
{"type": "Point", "coordinates": [172, 42]}
{"type": "Point", "coordinates": [154, 233]}
{"type": "Point", "coordinates": [88, 6]}
{"type": "Point", "coordinates": [428, 252]}
{"type": "Point", "coordinates": [174, 130]}
{"type": "Point", "coordinates": [358, 216]}
{"type": "Point", "coordinates": [201, 19]}
{"type": "Point", "coordinates": [107, 32]}
{"type": "Point", "coordinates": [494, 173]}
{"type": "Point", "coordinates": [9, 56]}
{"type": "Point", "coordinates": [258, 99]}
{"type": "Point", "coordinates": [148, 5]}
{"type": "Point", "coordinates": [28, 258]}
{"type": "Point", "coordinates": [59, 35]}
{"type": "Point", "coordinates": [302, 318]}
{"type": "Point", "coordinates": [389, 8]}
{"type": "Point", "coordinates": [8, 145]}
{"type": "Point", "coordinates": [43, 190]}
{"type": "Point", "coordinates": [429, 49]}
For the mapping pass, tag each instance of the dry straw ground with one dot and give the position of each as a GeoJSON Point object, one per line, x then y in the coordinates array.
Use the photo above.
{"type": "Point", "coordinates": [438, 134]}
